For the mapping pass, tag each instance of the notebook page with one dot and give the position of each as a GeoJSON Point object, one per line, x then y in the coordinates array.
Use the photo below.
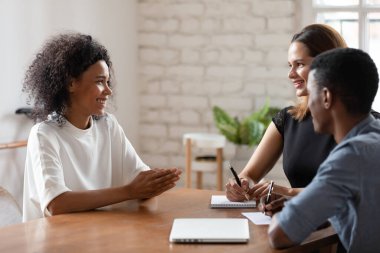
{"type": "Point", "coordinates": [258, 218]}
{"type": "Point", "coordinates": [221, 201]}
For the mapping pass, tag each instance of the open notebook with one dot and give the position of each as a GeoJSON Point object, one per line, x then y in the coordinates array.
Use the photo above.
{"type": "Point", "coordinates": [221, 201]}
{"type": "Point", "coordinates": [210, 230]}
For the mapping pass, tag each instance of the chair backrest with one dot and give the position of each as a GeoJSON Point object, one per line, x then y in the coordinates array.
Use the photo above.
{"type": "Point", "coordinates": [16, 144]}
{"type": "Point", "coordinates": [205, 140]}
{"type": "Point", "coordinates": [10, 212]}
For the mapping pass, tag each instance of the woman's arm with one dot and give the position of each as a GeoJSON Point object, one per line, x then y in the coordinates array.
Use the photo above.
{"type": "Point", "coordinates": [265, 156]}
{"type": "Point", "coordinates": [147, 184]}
{"type": "Point", "coordinates": [261, 162]}
{"type": "Point", "coordinates": [285, 191]}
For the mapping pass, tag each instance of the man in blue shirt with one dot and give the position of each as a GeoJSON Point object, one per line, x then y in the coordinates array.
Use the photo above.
{"type": "Point", "coordinates": [342, 86]}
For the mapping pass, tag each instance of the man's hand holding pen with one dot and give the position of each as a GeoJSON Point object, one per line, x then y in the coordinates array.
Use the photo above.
{"type": "Point", "coordinates": [272, 203]}
{"type": "Point", "coordinates": [275, 204]}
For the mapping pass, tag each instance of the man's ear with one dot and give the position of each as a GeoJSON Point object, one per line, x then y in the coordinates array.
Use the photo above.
{"type": "Point", "coordinates": [327, 97]}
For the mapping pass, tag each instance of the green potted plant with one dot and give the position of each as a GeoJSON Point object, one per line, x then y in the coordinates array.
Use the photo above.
{"type": "Point", "coordinates": [247, 131]}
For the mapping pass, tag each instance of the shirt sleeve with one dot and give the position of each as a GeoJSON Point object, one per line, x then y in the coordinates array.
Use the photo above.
{"type": "Point", "coordinates": [279, 120]}
{"type": "Point", "coordinates": [323, 198]}
{"type": "Point", "coordinates": [47, 168]}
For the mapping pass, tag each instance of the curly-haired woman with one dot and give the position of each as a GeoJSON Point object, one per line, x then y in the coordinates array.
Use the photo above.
{"type": "Point", "coordinates": [78, 157]}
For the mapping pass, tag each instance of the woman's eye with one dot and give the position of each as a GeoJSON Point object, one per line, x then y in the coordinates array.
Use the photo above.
{"type": "Point", "coordinates": [101, 83]}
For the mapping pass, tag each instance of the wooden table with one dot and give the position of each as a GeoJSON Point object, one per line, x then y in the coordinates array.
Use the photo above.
{"type": "Point", "coordinates": [140, 228]}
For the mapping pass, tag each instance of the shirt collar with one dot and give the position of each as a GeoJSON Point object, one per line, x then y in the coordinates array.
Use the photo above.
{"type": "Point", "coordinates": [358, 127]}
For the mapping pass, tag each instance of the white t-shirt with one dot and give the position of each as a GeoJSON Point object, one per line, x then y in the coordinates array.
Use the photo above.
{"type": "Point", "coordinates": [65, 158]}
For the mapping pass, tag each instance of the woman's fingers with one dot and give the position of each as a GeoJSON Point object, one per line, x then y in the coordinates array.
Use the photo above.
{"type": "Point", "coordinates": [153, 182]}
{"type": "Point", "coordinates": [234, 192]}
{"type": "Point", "coordinates": [259, 190]}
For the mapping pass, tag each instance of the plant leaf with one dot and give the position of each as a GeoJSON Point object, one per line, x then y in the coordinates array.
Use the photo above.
{"type": "Point", "coordinates": [227, 125]}
{"type": "Point", "coordinates": [251, 132]}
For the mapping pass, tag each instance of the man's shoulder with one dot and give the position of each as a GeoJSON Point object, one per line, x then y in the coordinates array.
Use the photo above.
{"type": "Point", "coordinates": [359, 149]}
{"type": "Point", "coordinates": [375, 114]}
{"type": "Point", "coordinates": [368, 133]}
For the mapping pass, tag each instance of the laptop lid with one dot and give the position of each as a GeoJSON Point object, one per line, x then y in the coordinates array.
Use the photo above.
{"type": "Point", "coordinates": [210, 230]}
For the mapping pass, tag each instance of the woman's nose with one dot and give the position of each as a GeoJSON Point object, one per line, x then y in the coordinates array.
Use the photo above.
{"type": "Point", "coordinates": [107, 90]}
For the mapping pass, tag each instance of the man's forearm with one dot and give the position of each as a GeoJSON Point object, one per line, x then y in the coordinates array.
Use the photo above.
{"type": "Point", "coordinates": [277, 237]}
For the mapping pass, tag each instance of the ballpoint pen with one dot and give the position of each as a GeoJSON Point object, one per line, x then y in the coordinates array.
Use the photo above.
{"type": "Point", "coordinates": [237, 180]}
{"type": "Point", "coordinates": [267, 199]}
{"type": "Point", "coordinates": [235, 175]}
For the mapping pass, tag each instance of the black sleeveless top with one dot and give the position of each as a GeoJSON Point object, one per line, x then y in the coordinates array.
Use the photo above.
{"type": "Point", "coordinates": [303, 150]}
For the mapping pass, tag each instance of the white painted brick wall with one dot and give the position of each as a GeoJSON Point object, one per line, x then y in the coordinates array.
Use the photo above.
{"type": "Point", "coordinates": [281, 24]}
{"type": "Point", "coordinates": [170, 87]}
{"type": "Point", "coordinates": [194, 54]}
{"type": "Point", "coordinates": [273, 8]}
{"type": "Point", "coordinates": [152, 39]}
{"type": "Point", "coordinates": [188, 102]}
{"type": "Point", "coordinates": [185, 71]}
{"type": "Point", "coordinates": [152, 70]}
{"type": "Point", "coordinates": [190, 56]}
{"type": "Point", "coordinates": [153, 130]}
{"type": "Point", "coordinates": [169, 116]}
{"type": "Point", "coordinates": [225, 72]}
{"type": "Point", "coordinates": [153, 100]}
{"type": "Point", "coordinates": [184, 41]}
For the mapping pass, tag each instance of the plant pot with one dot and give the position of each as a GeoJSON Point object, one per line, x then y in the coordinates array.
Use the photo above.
{"type": "Point", "coordinates": [243, 152]}
{"type": "Point", "coordinates": [242, 155]}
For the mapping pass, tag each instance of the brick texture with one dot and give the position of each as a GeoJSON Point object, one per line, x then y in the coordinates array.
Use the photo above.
{"type": "Point", "coordinates": [194, 54]}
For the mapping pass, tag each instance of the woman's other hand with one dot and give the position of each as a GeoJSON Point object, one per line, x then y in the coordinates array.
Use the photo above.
{"type": "Point", "coordinates": [261, 189]}
{"type": "Point", "coordinates": [258, 190]}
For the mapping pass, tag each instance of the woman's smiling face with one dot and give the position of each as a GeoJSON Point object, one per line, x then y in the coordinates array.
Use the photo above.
{"type": "Point", "coordinates": [89, 94]}
{"type": "Point", "coordinates": [299, 62]}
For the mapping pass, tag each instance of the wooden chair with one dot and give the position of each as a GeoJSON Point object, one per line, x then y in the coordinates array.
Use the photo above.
{"type": "Point", "coordinates": [10, 212]}
{"type": "Point", "coordinates": [200, 164]}
{"type": "Point", "coordinates": [16, 144]}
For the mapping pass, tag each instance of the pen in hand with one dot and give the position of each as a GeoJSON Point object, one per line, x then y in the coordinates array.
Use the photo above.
{"type": "Point", "coordinates": [235, 175]}
{"type": "Point", "coordinates": [237, 179]}
{"type": "Point", "coordinates": [267, 199]}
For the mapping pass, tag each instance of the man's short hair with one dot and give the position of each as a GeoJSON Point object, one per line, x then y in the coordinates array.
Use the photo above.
{"type": "Point", "coordinates": [349, 74]}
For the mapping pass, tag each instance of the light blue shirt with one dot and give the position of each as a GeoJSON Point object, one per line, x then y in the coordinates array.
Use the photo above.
{"type": "Point", "coordinates": [345, 191]}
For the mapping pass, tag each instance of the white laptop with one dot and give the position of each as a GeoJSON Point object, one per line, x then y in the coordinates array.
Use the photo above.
{"type": "Point", "coordinates": [210, 230]}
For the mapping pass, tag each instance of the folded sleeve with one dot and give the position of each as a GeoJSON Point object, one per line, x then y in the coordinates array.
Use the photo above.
{"type": "Point", "coordinates": [325, 197]}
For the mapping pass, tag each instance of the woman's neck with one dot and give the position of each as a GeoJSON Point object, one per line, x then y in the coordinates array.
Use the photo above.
{"type": "Point", "coordinates": [79, 121]}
